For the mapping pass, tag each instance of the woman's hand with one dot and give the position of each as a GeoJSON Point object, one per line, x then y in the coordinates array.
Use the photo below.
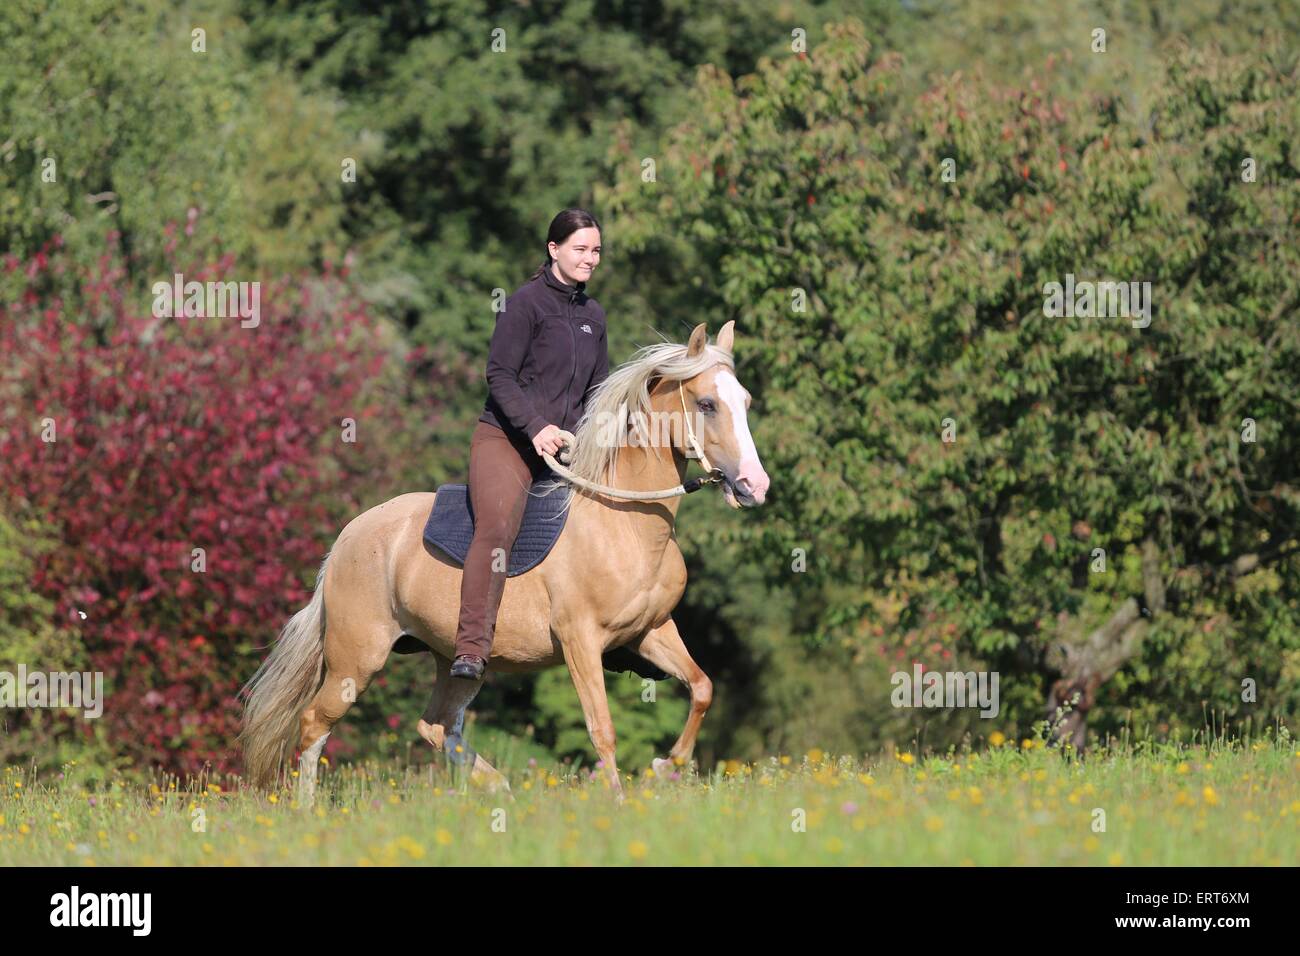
{"type": "Point", "coordinates": [547, 441]}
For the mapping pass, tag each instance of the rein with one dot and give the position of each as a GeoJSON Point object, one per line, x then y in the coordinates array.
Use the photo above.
{"type": "Point", "coordinates": [694, 484]}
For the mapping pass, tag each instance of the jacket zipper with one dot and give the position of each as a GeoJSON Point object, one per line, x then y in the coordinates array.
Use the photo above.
{"type": "Point", "coordinates": [574, 374]}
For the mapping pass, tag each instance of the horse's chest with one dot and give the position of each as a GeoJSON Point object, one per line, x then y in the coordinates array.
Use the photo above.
{"type": "Point", "coordinates": [647, 595]}
{"type": "Point", "coordinates": [626, 591]}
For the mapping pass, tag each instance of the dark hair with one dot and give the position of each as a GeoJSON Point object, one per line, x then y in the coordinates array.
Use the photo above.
{"type": "Point", "coordinates": [565, 224]}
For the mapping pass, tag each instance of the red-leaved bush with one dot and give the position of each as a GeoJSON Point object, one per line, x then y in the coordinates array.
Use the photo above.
{"type": "Point", "coordinates": [174, 434]}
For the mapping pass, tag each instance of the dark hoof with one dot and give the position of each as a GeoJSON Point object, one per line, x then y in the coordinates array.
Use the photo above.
{"type": "Point", "coordinates": [468, 666]}
{"type": "Point", "coordinates": [459, 752]}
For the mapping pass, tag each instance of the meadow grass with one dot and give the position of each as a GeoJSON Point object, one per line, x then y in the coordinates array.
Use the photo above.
{"type": "Point", "coordinates": [1216, 803]}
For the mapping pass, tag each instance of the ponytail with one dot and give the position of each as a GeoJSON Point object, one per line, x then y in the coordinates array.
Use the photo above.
{"type": "Point", "coordinates": [542, 268]}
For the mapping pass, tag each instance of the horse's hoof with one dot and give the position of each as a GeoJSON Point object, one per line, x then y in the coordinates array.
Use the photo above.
{"type": "Point", "coordinates": [459, 752]}
{"type": "Point", "coordinates": [493, 783]}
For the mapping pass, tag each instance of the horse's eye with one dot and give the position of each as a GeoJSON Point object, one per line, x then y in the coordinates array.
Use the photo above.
{"type": "Point", "coordinates": [705, 405]}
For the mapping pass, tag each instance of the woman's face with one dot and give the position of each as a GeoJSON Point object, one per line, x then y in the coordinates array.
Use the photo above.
{"type": "Point", "coordinates": [578, 257]}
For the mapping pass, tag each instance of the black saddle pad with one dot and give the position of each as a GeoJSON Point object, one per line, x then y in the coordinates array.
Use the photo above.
{"type": "Point", "coordinates": [450, 527]}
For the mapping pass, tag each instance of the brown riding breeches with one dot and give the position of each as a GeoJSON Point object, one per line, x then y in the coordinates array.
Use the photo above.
{"type": "Point", "coordinates": [501, 469]}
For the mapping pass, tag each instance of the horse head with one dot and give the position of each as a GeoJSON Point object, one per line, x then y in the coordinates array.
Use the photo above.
{"type": "Point", "coordinates": [718, 405]}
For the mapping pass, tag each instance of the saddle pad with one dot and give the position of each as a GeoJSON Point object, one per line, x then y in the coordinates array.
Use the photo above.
{"type": "Point", "coordinates": [450, 527]}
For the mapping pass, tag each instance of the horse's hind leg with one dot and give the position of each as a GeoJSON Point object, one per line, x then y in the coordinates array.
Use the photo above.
{"type": "Point", "coordinates": [349, 667]}
{"type": "Point", "coordinates": [444, 722]}
{"type": "Point", "coordinates": [430, 726]}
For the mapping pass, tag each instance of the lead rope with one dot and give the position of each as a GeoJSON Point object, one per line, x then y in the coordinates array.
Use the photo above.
{"type": "Point", "coordinates": [694, 484]}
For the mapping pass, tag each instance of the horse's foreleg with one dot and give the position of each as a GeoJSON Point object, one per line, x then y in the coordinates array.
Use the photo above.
{"type": "Point", "coordinates": [663, 647]}
{"type": "Point", "coordinates": [582, 650]}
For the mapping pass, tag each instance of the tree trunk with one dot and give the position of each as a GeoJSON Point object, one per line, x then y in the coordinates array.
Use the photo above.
{"type": "Point", "coordinates": [1087, 663]}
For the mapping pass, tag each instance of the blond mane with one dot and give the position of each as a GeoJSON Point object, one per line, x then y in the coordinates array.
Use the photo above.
{"type": "Point", "coordinates": [626, 391]}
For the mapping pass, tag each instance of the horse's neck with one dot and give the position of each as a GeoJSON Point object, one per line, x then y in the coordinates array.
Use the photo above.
{"type": "Point", "coordinates": [642, 469]}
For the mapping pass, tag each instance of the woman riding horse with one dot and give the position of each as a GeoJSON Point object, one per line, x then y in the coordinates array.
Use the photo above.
{"type": "Point", "coordinates": [548, 350]}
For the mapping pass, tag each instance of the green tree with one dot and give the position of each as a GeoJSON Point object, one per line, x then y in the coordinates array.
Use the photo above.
{"type": "Point", "coordinates": [114, 120]}
{"type": "Point", "coordinates": [821, 180]}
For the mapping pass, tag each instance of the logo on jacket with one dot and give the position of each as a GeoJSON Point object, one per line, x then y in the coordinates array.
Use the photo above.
{"type": "Point", "coordinates": [587, 329]}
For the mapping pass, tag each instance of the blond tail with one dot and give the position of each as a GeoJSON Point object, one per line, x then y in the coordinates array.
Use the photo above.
{"type": "Point", "coordinates": [281, 689]}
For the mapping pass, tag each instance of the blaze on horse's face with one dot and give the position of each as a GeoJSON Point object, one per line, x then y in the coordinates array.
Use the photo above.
{"type": "Point", "coordinates": [719, 406]}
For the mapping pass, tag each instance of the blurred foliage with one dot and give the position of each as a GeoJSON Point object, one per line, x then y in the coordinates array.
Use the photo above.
{"type": "Point", "coordinates": [187, 472]}
{"type": "Point", "coordinates": [135, 128]}
{"type": "Point", "coordinates": [644, 715]}
{"type": "Point", "coordinates": [774, 171]}
{"type": "Point", "coordinates": [821, 176]}
{"type": "Point", "coordinates": [44, 738]}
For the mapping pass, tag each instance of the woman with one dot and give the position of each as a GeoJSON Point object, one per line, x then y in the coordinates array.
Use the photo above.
{"type": "Point", "coordinates": [547, 351]}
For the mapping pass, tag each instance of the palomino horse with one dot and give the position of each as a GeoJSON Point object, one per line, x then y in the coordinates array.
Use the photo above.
{"type": "Point", "coordinates": [612, 579]}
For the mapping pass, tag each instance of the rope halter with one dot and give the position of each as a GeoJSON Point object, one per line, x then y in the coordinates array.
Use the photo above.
{"type": "Point", "coordinates": [714, 476]}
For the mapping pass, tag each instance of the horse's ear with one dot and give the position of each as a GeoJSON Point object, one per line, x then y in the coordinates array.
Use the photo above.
{"type": "Point", "coordinates": [699, 338]}
{"type": "Point", "coordinates": [726, 336]}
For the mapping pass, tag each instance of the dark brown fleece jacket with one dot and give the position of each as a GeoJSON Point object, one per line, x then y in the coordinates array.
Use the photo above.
{"type": "Point", "coordinates": [548, 350]}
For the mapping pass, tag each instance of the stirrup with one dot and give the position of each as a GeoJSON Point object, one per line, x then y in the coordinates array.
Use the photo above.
{"type": "Point", "coordinates": [468, 665]}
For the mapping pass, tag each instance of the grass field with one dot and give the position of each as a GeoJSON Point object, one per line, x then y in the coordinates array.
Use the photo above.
{"type": "Point", "coordinates": [1223, 803]}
